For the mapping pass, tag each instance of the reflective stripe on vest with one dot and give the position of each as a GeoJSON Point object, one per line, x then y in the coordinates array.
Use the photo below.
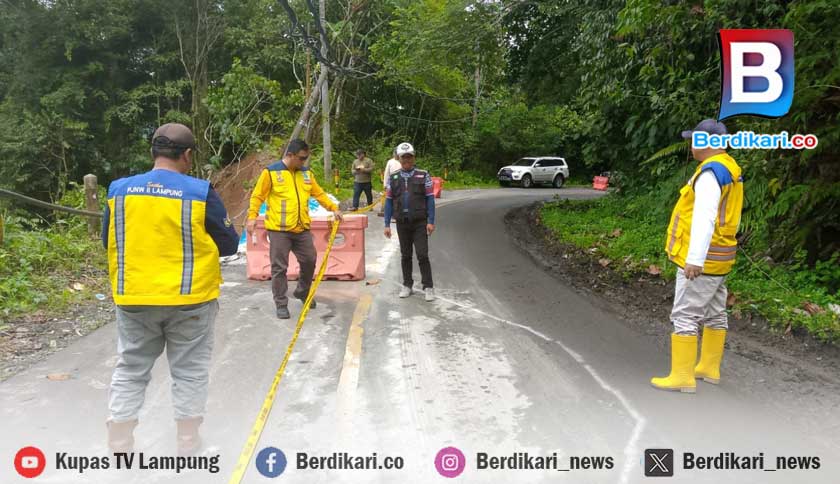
{"type": "Point", "coordinates": [674, 226]}
{"type": "Point", "coordinates": [187, 246]}
{"type": "Point", "coordinates": [119, 235]}
{"type": "Point", "coordinates": [283, 214]}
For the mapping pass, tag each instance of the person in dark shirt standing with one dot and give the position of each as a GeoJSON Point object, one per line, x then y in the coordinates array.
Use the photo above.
{"type": "Point", "coordinates": [362, 176]}
{"type": "Point", "coordinates": [410, 199]}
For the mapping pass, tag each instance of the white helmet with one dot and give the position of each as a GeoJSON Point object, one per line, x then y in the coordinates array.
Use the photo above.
{"type": "Point", "coordinates": [405, 148]}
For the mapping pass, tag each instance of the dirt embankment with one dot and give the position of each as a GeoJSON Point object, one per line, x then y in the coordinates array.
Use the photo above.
{"type": "Point", "coordinates": [644, 302]}
{"type": "Point", "coordinates": [235, 182]}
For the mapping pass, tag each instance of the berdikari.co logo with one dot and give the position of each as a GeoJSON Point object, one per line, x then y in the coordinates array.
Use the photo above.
{"type": "Point", "coordinates": [756, 79]}
{"type": "Point", "coordinates": [756, 72]}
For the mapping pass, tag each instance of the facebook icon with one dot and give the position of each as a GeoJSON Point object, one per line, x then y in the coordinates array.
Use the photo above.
{"type": "Point", "coordinates": [271, 462]}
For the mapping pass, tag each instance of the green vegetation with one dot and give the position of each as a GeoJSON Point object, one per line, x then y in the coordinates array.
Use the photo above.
{"type": "Point", "coordinates": [50, 269]}
{"type": "Point", "coordinates": [628, 235]}
{"type": "Point", "coordinates": [474, 85]}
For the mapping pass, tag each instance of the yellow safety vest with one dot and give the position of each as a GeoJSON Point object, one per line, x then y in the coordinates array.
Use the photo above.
{"type": "Point", "coordinates": [287, 195]}
{"type": "Point", "coordinates": [721, 254]}
{"type": "Point", "coordinates": [159, 251]}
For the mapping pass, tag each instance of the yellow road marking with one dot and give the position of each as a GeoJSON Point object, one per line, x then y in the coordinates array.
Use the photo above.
{"type": "Point", "coordinates": [349, 379]}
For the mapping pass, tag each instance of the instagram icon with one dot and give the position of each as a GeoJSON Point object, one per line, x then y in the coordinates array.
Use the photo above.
{"type": "Point", "coordinates": [450, 462]}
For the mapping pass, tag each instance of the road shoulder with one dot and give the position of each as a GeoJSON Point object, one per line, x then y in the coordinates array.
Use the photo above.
{"type": "Point", "coordinates": [644, 303]}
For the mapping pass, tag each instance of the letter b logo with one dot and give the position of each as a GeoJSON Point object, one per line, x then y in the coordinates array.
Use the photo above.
{"type": "Point", "coordinates": [757, 68]}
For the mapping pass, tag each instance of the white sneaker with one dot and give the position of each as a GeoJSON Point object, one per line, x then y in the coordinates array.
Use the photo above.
{"type": "Point", "coordinates": [405, 291]}
{"type": "Point", "coordinates": [429, 294]}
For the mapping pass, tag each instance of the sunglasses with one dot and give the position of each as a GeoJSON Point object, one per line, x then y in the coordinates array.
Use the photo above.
{"type": "Point", "coordinates": [302, 158]}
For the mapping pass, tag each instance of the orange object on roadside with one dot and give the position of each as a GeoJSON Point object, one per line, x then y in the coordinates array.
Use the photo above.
{"type": "Point", "coordinates": [256, 253]}
{"type": "Point", "coordinates": [437, 186]}
{"type": "Point", "coordinates": [600, 183]}
{"type": "Point", "coordinates": [347, 257]}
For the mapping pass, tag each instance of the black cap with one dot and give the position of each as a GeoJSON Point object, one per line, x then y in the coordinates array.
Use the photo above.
{"type": "Point", "coordinates": [173, 135]}
{"type": "Point", "coordinates": [710, 126]}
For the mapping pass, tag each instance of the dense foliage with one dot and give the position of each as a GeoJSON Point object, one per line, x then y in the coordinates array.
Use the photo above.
{"type": "Point", "coordinates": [608, 84]}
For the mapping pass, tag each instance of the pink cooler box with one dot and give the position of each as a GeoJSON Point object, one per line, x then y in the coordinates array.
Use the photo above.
{"type": "Point", "coordinates": [347, 257]}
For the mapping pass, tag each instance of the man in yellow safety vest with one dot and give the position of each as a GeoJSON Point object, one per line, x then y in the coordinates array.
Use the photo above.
{"type": "Point", "coordinates": [286, 186]}
{"type": "Point", "coordinates": [701, 242]}
{"type": "Point", "coordinates": [164, 232]}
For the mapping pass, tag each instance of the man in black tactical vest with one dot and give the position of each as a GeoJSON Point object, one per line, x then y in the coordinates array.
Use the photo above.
{"type": "Point", "coordinates": [409, 198]}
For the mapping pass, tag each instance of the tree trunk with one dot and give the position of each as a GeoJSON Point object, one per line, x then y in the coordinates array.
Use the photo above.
{"type": "Point", "coordinates": [201, 117]}
{"type": "Point", "coordinates": [196, 39]}
{"type": "Point", "coordinates": [303, 120]}
{"type": "Point", "coordinates": [325, 94]}
{"type": "Point", "coordinates": [477, 93]}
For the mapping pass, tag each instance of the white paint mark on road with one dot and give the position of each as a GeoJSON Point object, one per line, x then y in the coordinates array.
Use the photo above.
{"type": "Point", "coordinates": [98, 385]}
{"type": "Point", "coordinates": [631, 450]}
{"type": "Point", "coordinates": [380, 265]}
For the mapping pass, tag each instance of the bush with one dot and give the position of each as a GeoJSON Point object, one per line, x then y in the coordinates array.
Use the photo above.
{"type": "Point", "coordinates": [39, 267]}
{"type": "Point", "coordinates": [40, 263]}
{"type": "Point", "coordinates": [630, 231]}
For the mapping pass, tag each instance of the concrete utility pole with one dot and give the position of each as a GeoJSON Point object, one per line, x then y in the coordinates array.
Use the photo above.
{"type": "Point", "coordinates": [325, 91]}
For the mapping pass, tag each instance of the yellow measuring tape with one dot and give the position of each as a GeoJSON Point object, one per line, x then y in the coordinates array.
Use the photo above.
{"type": "Point", "coordinates": [268, 402]}
{"type": "Point", "coordinates": [369, 207]}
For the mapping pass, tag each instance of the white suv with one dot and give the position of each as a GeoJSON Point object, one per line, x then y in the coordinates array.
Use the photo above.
{"type": "Point", "coordinates": [530, 171]}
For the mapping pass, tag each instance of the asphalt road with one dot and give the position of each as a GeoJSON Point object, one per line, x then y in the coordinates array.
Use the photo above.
{"type": "Point", "coordinates": [509, 359]}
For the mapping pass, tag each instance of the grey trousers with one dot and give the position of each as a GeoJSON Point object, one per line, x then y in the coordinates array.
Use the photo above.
{"type": "Point", "coordinates": [701, 301]}
{"type": "Point", "coordinates": [301, 244]}
{"type": "Point", "coordinates": [186, 332]}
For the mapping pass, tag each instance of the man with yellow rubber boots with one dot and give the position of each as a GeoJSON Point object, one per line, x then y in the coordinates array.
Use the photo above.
{"type": "Point", "coordinates": [701, 241]}
{"type": "Point", "coordinates": [286, 187]}
{"type": "Point", "coordinates": [164, 232]}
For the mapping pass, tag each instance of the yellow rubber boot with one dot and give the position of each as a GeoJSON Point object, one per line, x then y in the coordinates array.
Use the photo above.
{"type": "Point", "coordinates": [683, 358]}
{"type": "Point", "coordinates": [711, 352]}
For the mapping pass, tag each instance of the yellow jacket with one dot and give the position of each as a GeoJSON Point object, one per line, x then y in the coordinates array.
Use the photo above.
{"type": "Point", "coordinates": [159, 231]}
{"type": "Point", "coordinates": [721, 256]}
{"type": "Point", "coordinates": [287, 195]}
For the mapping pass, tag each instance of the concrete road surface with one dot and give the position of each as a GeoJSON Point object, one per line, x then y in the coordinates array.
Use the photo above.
{"type": "Point", "coordinates": [507, 361]}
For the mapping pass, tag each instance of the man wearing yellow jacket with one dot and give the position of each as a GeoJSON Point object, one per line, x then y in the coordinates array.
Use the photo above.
{"type": "Point", "coordinates": [701, 242]}
{"type": "Point", "coordinates": [286, 187]}
{"type": "Point", "coordinates": [164, 232]}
